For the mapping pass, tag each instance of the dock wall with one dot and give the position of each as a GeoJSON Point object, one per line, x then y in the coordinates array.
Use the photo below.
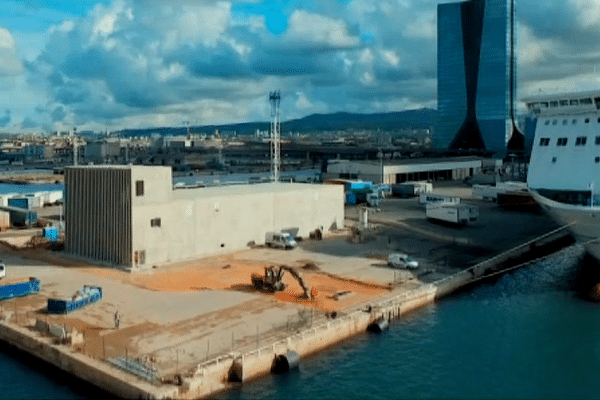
{"type": "Point", "coordinates": [257, 363]}
{"type": "Point", "coordinates": [95, 372]}
{"type": "Point", "coordinates": [216, 375]}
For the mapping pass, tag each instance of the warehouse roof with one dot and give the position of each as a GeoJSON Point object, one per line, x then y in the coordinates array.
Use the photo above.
{"type": "Point", "coordinates": [187, 193]}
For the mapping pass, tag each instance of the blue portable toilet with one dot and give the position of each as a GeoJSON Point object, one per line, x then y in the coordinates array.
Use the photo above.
{"type": "Point", "coordinates": [51, 233]}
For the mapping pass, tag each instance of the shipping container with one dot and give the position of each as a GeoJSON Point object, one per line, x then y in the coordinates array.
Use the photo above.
{"type": "Point", "coordinates": [20, 202]}
{"type": "Point", "coordinates": [19, 218]}
{"type": "Point", "coordinates": [87, 295]}
{"type": "Point", "coordinates": [19, 288]}
{"type": "Point", "coordinates": [454, 213]}
{"type": "Point", "coordinates": [53, 197]}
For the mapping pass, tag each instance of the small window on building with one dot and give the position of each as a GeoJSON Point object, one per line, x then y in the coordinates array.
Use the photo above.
{"type": "Point", "coordinates": [574, 102]}
{"type": "Point", "coordinates": [580, 141]}
{"type": "Point", "coordinates": [587, 120]}
{"type": "Point", "coordinates": [564, 102]}
{"type": "Point", "coordinates": [547, 122]}
{"type": "Point", "coordinates": [544, 141]}
{"type": "Point", "coordinates": [597, 159]}
{"type": "Point", "coordinates": [155, 222]}
{"type": "Point", "coordinates": [561, 142]}
{"type": "Point", "coordinates": [553, 159]}
{"type": "Point", "coordinates": [585, 101]}
{"type": "Point", "coordinates": [544, 104]}
{"type": "Point", "coordinates": [597, 140]}
{"type": "Point", "coordinates": [554, 104]}
{"type": "Point", "coordinates": [555, 121]}
{"type": "Point", "coordinates": [574, 121]}
{"type": "Point", "coordinates": [139, 188]}
{"type": "Point", "coordinates": [565, 122]}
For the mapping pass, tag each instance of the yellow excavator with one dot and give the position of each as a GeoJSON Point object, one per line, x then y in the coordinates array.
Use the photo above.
{"type": "Point", "coordinates": [272, 281]}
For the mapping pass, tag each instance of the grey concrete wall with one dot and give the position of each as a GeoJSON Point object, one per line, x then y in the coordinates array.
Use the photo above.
{"type": "Point", "coordinates": [212, 224]}
{"type": "Point", "coordinates": [108, 221]}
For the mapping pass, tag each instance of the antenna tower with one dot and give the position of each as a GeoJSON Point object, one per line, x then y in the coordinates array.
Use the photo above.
{"type": "Point", "coordinates": [275, 100]}
{"type": "Point", "coordinates": [75, 146]}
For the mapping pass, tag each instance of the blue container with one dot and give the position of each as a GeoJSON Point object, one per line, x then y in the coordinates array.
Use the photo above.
{"type": "Point", "coordinates": [360, 185]}
{"type": "Point", "coordinates": [20, 202]}
{"type": "Point", "coordinates": [351, 198]}
{"type": "Point", "coordinates": [51, 233]}
{"type": "Point", "coordinates": [87, 295]}
{"type": "Point", "coordinates": [28, 218]}
{"type": "Point", "coordinates": [17, 289]}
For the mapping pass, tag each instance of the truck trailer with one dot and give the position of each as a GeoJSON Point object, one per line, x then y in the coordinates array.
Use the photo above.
{"type": "Point", "coordinates": [454, 213]}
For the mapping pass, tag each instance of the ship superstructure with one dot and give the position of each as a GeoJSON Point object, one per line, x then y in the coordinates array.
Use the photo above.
{"type": "Point", "coordinates": [564, 171]}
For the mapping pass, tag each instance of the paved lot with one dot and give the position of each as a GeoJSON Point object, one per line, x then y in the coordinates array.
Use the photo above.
{"type": "Point", "coordinates": [184, 313]}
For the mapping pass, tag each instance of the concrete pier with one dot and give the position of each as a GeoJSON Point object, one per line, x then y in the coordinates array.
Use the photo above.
{"type": "Point", "coordinates": [202, 326]}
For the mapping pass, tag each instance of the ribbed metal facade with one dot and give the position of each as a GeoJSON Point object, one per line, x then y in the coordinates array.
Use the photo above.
{"type": "Point", "coordinates": [98, 214]}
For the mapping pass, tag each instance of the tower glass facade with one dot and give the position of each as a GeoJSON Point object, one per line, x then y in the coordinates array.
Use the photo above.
{"type": "Point", "coordinates": [476, 82]}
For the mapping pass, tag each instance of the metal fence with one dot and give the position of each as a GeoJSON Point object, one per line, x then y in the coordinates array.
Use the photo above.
{"type": "Point", "coordinates": [136, 366]}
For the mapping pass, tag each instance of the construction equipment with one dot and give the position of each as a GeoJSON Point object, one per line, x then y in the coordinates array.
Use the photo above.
{"type": "Point", "coordinates": [272, 281]}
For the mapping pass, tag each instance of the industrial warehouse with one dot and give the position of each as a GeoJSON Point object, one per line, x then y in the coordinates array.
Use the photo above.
{"type": "Point", "coordinates": [402, 170]}
{"type": "Point", "coordinates": [132, 217]}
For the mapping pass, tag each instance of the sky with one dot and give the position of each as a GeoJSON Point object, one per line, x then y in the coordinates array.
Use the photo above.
{"type": "Point", "coordinates": [113, 64]}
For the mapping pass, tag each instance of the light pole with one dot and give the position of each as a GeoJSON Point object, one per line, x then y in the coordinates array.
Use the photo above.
{"type": "Point", "coordinates": [380, 155]}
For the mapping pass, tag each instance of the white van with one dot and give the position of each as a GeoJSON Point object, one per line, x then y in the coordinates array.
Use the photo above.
{"type": "Point", "coordinates": [280, 240]}
{"type": "Point", "coordinates": [2, 270]}
{"type": "Point", "coordinates": [401, 260]}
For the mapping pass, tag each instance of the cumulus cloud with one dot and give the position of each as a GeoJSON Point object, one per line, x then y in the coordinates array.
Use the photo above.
{"type": "Point", "coordinates": [145, 63]}
{"type": "Point", "coordinates": [5, 119]}
{"type": "Point", "coordinates": [10, 61]}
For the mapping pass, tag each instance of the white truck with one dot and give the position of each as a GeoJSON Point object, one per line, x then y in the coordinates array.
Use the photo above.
{"type": "Point", "coordinates": [401, 260]}
{"type": "Point", "coordinates": [280, 240]}
{"type": "Point", "coordinates": [2, 270]}
{"type": "Point", "coordinates": [432, 198]}
{"type": "Point", "coordinates": [455, 213]}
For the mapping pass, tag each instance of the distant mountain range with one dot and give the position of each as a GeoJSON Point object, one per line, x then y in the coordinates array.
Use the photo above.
{"type": "Point", "coordinates": [411, 119]}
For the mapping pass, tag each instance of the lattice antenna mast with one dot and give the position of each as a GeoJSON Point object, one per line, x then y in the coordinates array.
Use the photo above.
{"type": "Point", "coordinates": [275, 100]}
{"type": "Point", "coordinates": [75, 147]}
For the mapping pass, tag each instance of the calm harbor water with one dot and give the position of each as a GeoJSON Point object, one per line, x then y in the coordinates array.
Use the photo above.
{"type": "Point", "coordinates": [527, 334]}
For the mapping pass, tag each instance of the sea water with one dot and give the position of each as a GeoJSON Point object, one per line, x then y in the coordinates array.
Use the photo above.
{"type": "Point", "coordinates": [526, 334]}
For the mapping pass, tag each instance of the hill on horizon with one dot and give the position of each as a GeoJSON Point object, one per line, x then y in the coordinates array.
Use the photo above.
{"type": "Point", "coordinates": [409, 119]}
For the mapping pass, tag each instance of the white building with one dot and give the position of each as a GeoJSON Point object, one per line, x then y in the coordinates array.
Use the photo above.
{"type": "Point", "coordinates": [131, 217]}
{"type": "Point", "coordinates": [397, 171]}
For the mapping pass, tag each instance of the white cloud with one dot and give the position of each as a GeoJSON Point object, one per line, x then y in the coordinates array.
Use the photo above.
{"type": "Point", "coordinates": [315, 30]}
{"type": "Point", "coordinates": [532, 50]}
{"type": "Point", "coordinates": [588, 12]}
{"type": "Point", "coordinates": [10, 61]}
{"type": "Point", "coordinates": [390, 57]}
{"type": "Point", "coordinates": [422, 27]}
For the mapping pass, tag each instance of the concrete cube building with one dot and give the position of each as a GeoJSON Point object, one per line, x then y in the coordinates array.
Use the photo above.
{"type": "Point", "coordinates": [131, 217]}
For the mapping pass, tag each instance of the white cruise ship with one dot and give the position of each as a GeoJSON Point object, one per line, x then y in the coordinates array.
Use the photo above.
{"type": "Point", "coordinates": [564, 171]}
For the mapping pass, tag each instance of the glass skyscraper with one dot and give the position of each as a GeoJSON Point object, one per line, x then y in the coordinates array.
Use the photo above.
{"type": "Point", "coordinates": [476, 74]}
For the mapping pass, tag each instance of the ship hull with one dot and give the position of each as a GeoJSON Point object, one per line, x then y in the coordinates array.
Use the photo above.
{"type": "Point", "coordinates": [582, 221]}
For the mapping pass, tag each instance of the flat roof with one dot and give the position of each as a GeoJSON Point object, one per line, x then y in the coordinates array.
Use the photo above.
{"type": "Point", "coordinates": [115, 166]}
{"type": "Point", "coordinates": [183, 193]}
{"type": "Point", "coordinates": [412, 161]}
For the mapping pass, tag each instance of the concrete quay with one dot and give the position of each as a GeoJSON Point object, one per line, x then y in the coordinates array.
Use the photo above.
{"type": "Point", "coordinates": [202, 326]}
